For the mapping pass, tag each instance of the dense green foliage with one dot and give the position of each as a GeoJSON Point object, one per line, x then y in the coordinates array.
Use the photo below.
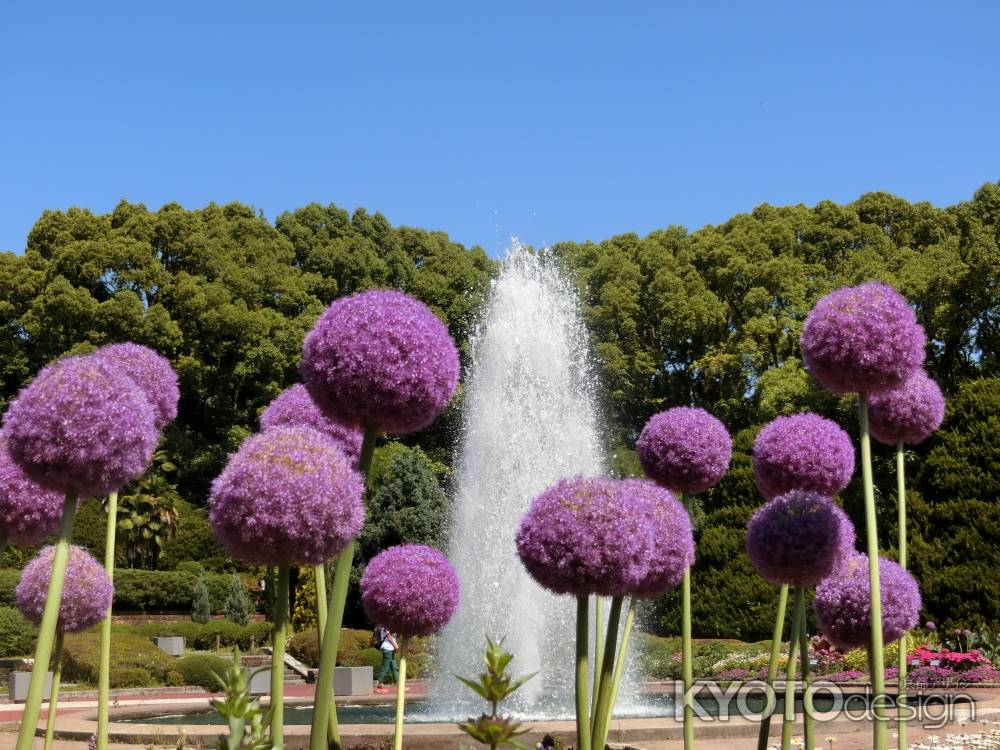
{"type": "Point", "coordinates": [201, 608]}
{"type": "Point", "coordinates": [82, 651]}
{"type": "Point", "coordinates": [205, 637]}
{"type": "Point", "coordinates": [202, 670]}
{"type": "Point", "coordinates": [710, 317]}
{"type": "Point", "coordinates": [236, 607]}
{"type": "Point", "coordinates": [17, 635]}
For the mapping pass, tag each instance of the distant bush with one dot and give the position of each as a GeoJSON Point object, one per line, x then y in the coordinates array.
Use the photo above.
{"type": "Point", "coordinates": [304, 646]}
{"type": "Point", "coordinates": [82, 651]}
{"type": "Point", "coordinates": [130, 677]}
{"type": "Point", "coordinates": [202, 637]}
{"type": "Point", "coordinates": [198, 669]}
{"type": "Point", "coordinates": [17, 635]}
{"type": "Point", "coordinates": [174, 678]}
{"type": "Point", "coordinates": [201, 607]}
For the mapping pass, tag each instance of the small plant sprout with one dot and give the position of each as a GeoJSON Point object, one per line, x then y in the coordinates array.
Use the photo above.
{"type": "Point", "coordinates": [248, 722]}
{"type": "Point", "coordinates": [494, 686]}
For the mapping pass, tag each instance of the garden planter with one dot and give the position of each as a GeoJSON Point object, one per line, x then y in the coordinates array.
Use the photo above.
{"type": "Point", "coordinates": [19, 682]}
{"type": "Point", "coordinates": [353, 680]}
{"type": "Point", "coordinates": [260, 682]}
{"type": "Point", "coordinates": [173, 645]}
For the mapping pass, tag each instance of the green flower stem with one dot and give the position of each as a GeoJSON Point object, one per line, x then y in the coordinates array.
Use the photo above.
{"type": "Point", "coordinates": [622, 653]}
{"type": "Point", "coordinates": [582, 700]}
{"type": "Point", "coordinates": [901, 679]}
{"type": "Point", "coordinates": [324, 723]}
{"type": "Point", "coordinates": [871, 530]}
{"type": "Point", "coordinates": [321, 601]}
{"type": "Point", "coordinates": [788, 714]}
{"type": "Point", "coordinates": [686, 655]}
{"type": "Point", "coordinates": [772, 664]}
{"type": "Point", "coordinates": [47, 628]}
{"type": "Point", "coordinates": [607, 666]}
{"type": "Point", "coordinates": [50, 722]}
{"type": "Point", "coordinates": [598, 656]}
{"type": "Point", "coordinates": [104, 673]}
{"type": "Point", "coordinates": [278, 635]}
{"type": "Point", "coordinates": [807, 704]}
{"type": "Point", "coordinates": [397, 741]}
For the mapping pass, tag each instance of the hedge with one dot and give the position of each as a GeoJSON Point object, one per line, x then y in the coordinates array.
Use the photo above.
{"type": "Point", "coordinates": [145, 590]}
{"type": "Point", "coordinates": [17, 635]}
{"type": "Point", "coordinates": [202, 637]}
{"type": "Point", "coordinates": [129, 653]}
{"type": "Point", "coordinates": [198, 669]}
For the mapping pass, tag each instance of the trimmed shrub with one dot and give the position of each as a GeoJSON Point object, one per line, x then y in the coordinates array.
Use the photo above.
{"type": "Point", "coordinates": [236, 607]}
{"type": "Point", "coordinates": [130, 677]}
{"type": "Point", "coordinates": [82, 652]}
{"type": "Point", "coordinates": [17, 635]}
{"type": "Point", "coordinates": [304, 646]}
{"type": "Point", "coordinates": [174, 678]}
{"type": "Point", "coordinates": [201, 608]}
{"type": "Point", "coordinates": [198, 669]}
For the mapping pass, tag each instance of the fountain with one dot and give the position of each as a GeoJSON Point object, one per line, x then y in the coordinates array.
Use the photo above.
{"type": "Point", "coordinates": [530, 419]}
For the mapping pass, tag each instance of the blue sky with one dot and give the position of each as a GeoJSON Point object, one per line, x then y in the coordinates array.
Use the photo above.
{"type": "Point", "coordinates": [546, 120]}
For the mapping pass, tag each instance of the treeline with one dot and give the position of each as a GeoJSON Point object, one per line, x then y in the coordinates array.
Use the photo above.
{"type": "Point", "coordinates": [710, 317]}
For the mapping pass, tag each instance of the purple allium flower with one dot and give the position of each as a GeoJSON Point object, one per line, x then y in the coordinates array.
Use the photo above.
{"type": "Point", "coordinates": [150, 371]}
{"type": "Point", "coordinates": [685, 449]}
{"type": "Point", "coordinates": [86, 595]}
{"type": "Point", "coordinates": [410, 589]}
{"type": "Point", "coordinates": [81, 426]}
{"type": "Point", "coordinates": [380, 359]}
{"type": "Point", "coordinates": [295, 407]}
{"type": "Point", "coordinates": [930, 626]}
{"type": "Point", "coordinates": [911, 412]}
{"type": "Point", "coordinates": [28, 511]}
{"type": "Point", "coordinates": [843, 606]}
{"type": "Point", "coordinates": [802, 452]}
{"type": "Point", "coordinates": [862, 339]}
{"type": "Point", "coordinates": [798, 538]}
{"type": "Point", "coordinates": [592, 535]}
{"type": "Point", "coordinates": [289, 495]}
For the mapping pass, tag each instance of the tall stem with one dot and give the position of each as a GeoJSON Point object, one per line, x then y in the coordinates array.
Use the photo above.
{"type": "Point", "coordinates": [397, 742]}
{"type": "Point", "coordinates": [104, 675]}
{"type": "Point", "coordinates": [598, 655]}
{"type": "Point", "coordinates": [50, 722]}
{"type": "Point", "coordinates": [901, 676]}
{"type": "Point", "coordinates": [620, 661]}
{"type": "Point", "coordinates": [871, 531]}
{"type": "Point", "coordinates": [772, 664]}
{"type": "Point", "coordinates": [607, 666]}
{"type": "Point", "coordinates": [324, 723]}
{"type": "Point", "coordinates": [278, 658]}
{"type": "Point", "coordinates": [321, 601]}
{"type": "Point", "coordinates": [47, 628]}
{"type": "Point", "coordinates": [788, 714]}
{"type": "Point", "coordinates": [807, 705]}
{"type": "Point", "coordinates": [582, 700]}
{"type": "Point", "coordinates": [686, 656]}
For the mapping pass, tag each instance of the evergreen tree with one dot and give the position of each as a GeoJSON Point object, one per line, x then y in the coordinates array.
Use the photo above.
{"type": "Point", "coordinates": [201, 607]}
{"type": "Point", "coordinates": [236, 609]}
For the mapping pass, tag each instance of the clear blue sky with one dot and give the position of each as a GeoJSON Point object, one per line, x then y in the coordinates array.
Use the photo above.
{"type": "Point", "coordinates": [548, 120]}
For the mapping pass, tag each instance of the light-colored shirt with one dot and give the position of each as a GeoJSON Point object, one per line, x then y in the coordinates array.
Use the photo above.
{"type": "Point", "coordinates": [386, 642]}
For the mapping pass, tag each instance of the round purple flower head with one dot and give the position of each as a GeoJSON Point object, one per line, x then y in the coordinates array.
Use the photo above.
{"type": "Point", "coordinates": [28, 511]}
{"type": "Point", "coordinates": [410, 589]}
{"type": "Point", "coordinates": [295, 407]}
{"type": "Point", "coordinates": [86, 595]}
{"type": "Point", "coordinates": [911, 412]}
{"type": "Point", "coordinates": [843, 606]}
{"type": "Point", "coordinates": [685, 449]}
{"type": "Point", "coordinates": [83, 426]}
{"type": "Point", "coordinates": [862, 339]}
{"type": "Point", "coordinates": [798, 538]}
{"type": "Point", "coordinates": [802, 452]}
{"type": "Point", "coordinates": [590, 535]}
{"type": "Point", "coordinates": [668, 533]}
{"type": "Point", "coordinates": [150, 371]}
{"type": "Point", "coordinates": [380, 359]}
{"type": "Point", "coordinates": [289, 495]}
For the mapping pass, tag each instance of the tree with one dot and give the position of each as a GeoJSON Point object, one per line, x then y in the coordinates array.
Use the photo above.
{"type": "Point", "coordinates": [201, 607]}
{"type": "Point", "coordinates": [148, 512]}
{"type": "Point", "coordinates": [236, 608]}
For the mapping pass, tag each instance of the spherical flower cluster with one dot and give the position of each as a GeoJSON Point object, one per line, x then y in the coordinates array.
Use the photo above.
{"type": "Point", "coordinates": [802, 452]}
{"type": "Point", "coordinates": [843, 606]}
{"type": "Point", "coordinates": [150, 371]}
{"type": "Point", "coordinates": [798, 538]}
{"type": "Point", "coordinates": [911, 412]}
{"type": "Point", "coordinates": [289, 495]}
{"type": "Point", "coordinates": [28, 511]}
{"type": "Point", "coordinates": [410, 589]}
{"type": "Point", "coordinates": [81, 426]}
{"type": "Point", "coordinates": [380, 359]}
{"type": "Point", "coordinates": [296, 408]}
{"type": "Point", "coordinates": [602, 536]}
{"type": "Point", "coordinates": [862, 339]}
{"type": "Point", "coordinates": [86, 594]}
{"type": "Point", "coordinates": [685, 449]}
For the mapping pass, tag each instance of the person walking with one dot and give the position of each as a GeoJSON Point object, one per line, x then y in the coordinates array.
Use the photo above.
{"type": "Point", "coordinates": [388, 647]}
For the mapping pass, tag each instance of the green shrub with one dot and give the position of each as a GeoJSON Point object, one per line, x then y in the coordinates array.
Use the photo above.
{"type": "Point", "coordinates": [236, 607]}
{"type": "Point", "coordinates": [130, 677]}
{"type": "Point", "coordinates": [369, 657]}
{"type": "Point", "coordinates": [8, 581]}
{"type": "Point", "coordinates": [17, 635]}
{"type": "Point", "coordinates": [198, 669]}
{"type": "Point", "coordinates": [82, 651]}
{"type": "Point", "coordinates": [304, 646]}
{"type": "Point", "coordinates": [193, 567]}
{"type": "Point", "coordinates": [201, 607]}
{"type": "Point", "coordinates": [202, 637]}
